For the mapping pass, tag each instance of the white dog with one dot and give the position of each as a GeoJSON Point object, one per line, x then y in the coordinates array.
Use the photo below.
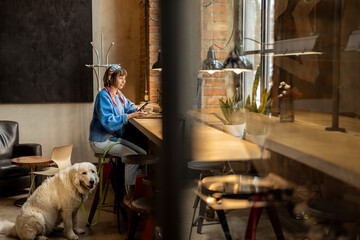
{"type": "Point", "coordinates": [56, 200]}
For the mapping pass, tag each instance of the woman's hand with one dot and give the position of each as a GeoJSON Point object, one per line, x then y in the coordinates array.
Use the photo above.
{"type": "Point", "coordinates": [136, 114]}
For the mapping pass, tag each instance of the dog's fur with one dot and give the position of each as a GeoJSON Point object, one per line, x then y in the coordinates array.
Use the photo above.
{"type": "Point", "coordinates": [56, 200]}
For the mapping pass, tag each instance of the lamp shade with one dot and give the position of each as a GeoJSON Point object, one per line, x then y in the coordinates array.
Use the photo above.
{"type": "Point", "coordinates": [296, 46]}
{"type": "Point", "coordinates": [353, 43]}
{"type": "Point", "coordinates": [237, 63]}
{"type": "Point", "coordinates": [158, 65]}
{"type": "Point", "coordinates": [211, 64]}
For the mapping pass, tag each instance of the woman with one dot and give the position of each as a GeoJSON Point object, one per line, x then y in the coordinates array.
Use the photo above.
{"type": "Point", "coordinates": [112, 111]}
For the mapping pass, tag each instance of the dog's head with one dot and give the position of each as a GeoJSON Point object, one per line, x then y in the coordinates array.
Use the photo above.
{"type": "Point", "coordinates": [84, 177]}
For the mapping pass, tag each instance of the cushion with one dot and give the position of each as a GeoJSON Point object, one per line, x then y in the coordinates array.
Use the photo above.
{"type": "Point", "coordinates": [9, 170]}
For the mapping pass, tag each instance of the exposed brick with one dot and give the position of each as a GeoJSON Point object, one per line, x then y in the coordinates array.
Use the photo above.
{"type": "Point", "coordinates": [155, 36]}
{"type": "Point", "coordinates": [220, 82]}
{"type": "Point", "coordinates": [153, 79]}
{"type": "Point", "coordinates": [154, 30]}
{"type": "Point", "coordinates": [154, 91]}
{"type": "Point", "coordinates": [214, 92]}
{"type": "Point", "coordinates": [155, 85]}
{"type": "Point", "coordinates": [152, 23]}
{"type": "Point", "coordinates": [217, 27]}
{"type": "Point", "coordinates": [212, 100]}
{"type": "Point", "coordinates": [154, 98]}
{"type": "Point", "coordinates": [154, 42]}
{"type": "Point", "coordinates": [214, 36]}
{"type": "Point", "coordinates": [219, 17]}
{"type": "Point", "coordinates": [220, 8]}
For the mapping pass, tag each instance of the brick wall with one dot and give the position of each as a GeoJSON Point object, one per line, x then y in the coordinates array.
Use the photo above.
{"type": "Point", "coordinates": [154, 47]}
{"type": "Point", "coordinates": [143, 49]}
{"type": "Point", "coordinates": [218, 32]}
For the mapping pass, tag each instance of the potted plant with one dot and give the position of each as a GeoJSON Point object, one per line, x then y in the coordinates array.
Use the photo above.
{"type": "Point", "coordinates": [232, 115]}
{"type": "Point", "coordinates": [256, 117]}
{"type": "Point", "coordinates": [286, 96]}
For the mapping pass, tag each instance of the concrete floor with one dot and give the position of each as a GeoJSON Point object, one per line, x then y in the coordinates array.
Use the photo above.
{"type": "Point", "coordinates": [107, 225]}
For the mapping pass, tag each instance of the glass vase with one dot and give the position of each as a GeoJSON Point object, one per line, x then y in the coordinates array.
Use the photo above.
{"type": "Point", "coordinates": [286, 111]}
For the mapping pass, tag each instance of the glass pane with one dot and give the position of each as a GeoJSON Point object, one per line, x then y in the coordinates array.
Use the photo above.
{"type": "Point", "coordinates": [252, 26]}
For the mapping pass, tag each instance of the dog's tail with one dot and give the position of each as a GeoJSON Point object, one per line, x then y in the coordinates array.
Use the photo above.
{"type": "Point", "coordinates": [8, 228]}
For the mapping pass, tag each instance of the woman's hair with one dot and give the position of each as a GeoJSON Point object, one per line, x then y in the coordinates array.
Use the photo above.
{"type": "Point", "coordinates": [113, 71]}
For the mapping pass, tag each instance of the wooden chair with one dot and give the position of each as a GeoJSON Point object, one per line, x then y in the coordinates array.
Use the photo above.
{"type": "Point", "coordinates": [61, 157]}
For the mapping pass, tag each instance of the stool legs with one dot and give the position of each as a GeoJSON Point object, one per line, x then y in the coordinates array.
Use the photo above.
{"type": "Point", "coordinates": [275, 222]}
{"type": "Point", "coordinates": [113, 172]}
{"type": "Point", "coordinates": [224, 225]}
{"type": "Point", "coordinates": [202, 210]}
{"type": "Point", "coordinates": [106, 172]}
{"type": "Point", "coordinates": [254, 218]}
{"type": "Point", "coordinates": [139, 192]}
{"type": "Point", "coordinates": [149, 230]}
{"type": "Point", "coordinates": [118, 184]}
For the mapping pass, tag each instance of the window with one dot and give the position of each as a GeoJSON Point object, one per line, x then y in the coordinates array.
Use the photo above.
{"type": "Point", "coordinates": [258, 25]}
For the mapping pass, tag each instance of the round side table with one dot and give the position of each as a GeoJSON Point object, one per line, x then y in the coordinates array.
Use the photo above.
{"type": "Point", "coordinates": [32, 162]}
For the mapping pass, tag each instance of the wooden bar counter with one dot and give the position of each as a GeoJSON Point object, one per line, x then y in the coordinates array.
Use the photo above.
{"type": "Point", "coordinates": [336, 154]}
{"type": "Point", "coordinates": [209, 144]}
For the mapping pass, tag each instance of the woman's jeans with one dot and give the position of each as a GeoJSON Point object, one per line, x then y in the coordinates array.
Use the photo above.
{"type": "Point", "coordinates": [119, 150]}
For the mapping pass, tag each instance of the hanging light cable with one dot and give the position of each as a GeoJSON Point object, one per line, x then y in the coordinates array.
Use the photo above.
{"type": "Point", "coordinates": [237, 62]}
{"type": "Point", "coordinates": [211, 64]}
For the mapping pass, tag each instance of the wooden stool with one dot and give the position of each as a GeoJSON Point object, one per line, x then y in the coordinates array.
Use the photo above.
{"type": "Point", "coordinates": [111, 170]}
{"type": "Point", "coordinates": [254, 217]}
{"type": "Point", "coordinates": [142, 191]}
{"type": "Point", "coordinates": [143, 206]}
{"type": "Point", "coordinates": [333, 213]}
{"type": "Point", "coordinates": [206, 169]}
{"type": "Point", "coordinates": [266, 190]}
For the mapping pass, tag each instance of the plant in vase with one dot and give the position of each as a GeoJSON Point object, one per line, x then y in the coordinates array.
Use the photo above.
{"type": "Point", "coordinates": [232, 115]}
{"type": "Point", "coordinates": [256, 117]}
{"type": "Point", "coordinates": [265, 98]}
{"type": "Point", "coordinates": [286, 97]}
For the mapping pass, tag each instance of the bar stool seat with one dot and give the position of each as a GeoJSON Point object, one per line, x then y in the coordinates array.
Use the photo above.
{"type": "Point", "coordinates": [145, 205]}
{"type": "Point", "coordinates": [333, 214]}
{"type": "Point", "coordinates": [205, 166]}
{"type": "Point", "coordinates": [333, 210]}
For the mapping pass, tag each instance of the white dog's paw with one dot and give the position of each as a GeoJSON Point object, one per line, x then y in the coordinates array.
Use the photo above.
{"type": "Point", "coordinates": [79, 230]}
{"type": "Point", "coordinates": [41, 237]}
{"type": "Point", "coordinates": [72, 236]}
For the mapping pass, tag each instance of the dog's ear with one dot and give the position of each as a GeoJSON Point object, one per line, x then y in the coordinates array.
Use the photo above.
{"type": "Point", "coordinates": [96, 173]}
{"type": "Point", "coordinates": [73, 174]}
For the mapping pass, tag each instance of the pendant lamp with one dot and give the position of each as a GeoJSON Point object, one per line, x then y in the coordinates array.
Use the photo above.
{"type": "Point", "coordinates": [353, 43]}
{"type": "Point", "coordinates": [299, 46]}
{"type": "Point", "coordinates": [237, 63]}
{"type": "Point", "coordinates": [158, 65]}
{"type": "Point", "coordinates": [211, 64]}
{"type": "Point", "coordinates": [296, 46]}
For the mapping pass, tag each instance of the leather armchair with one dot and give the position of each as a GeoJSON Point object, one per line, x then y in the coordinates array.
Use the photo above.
{"type": "Point", "coordinates": [14, 177]}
